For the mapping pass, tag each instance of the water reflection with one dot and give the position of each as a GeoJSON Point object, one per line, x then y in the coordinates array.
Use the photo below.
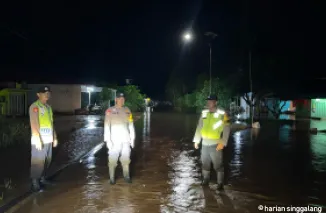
{"type": "Point", "coordinates": [186, 193]}
{"type": "Point", "coordinates": [318, 149]}
{"type": "Point", "coordinates": [118, 200]}
{"type": "Point", "coordinates": [236, 162]}
{"type": "Point", "coordinates": [83, 139]}
{"type": "Point", "coordinates": [284, 134]}
{"type": "Point", "coordinates": [146, 127]}
{"type": "Point", "coordinates": [91, 123]}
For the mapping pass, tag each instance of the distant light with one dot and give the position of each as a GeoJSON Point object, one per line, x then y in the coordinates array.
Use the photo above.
{"type": "Point", "coordinates": [317, 99]}
{"type": "Point", "coordinates": [90, 89]}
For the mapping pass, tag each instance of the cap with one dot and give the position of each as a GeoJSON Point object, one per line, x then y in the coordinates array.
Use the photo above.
{"type": "Point", "coordinates": [43, 89]}
{"type": "Point", "coordinates": [211, 98]}
{"type": "Point", "coordinates": [120, 95]}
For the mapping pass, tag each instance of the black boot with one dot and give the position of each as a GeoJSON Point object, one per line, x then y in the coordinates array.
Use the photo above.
{"type": "Point", "coordinates": [205, 178]}
{"type": "Point", "coordinates": [112, 174]}
{"type": "Point", "coordinates": [126, 174]}
{"type": "Point", "coordinates": [36, 185]}
{"type": "Point", "coordinates": [220, 181]}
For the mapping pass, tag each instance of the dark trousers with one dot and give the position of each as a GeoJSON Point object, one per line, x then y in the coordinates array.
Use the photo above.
{"type": "Point", "coordinates": [40, 160]}
{"type": "Point", "coordinates": [209, 155]}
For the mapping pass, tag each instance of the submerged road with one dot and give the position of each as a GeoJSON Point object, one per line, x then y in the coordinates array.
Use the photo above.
{"type": "Point", "coordinates": [271, 166]}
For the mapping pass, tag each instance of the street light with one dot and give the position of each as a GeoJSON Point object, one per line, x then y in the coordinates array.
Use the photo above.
{"type": "Point", "coordinates": [89, 90]}
{"type": "Point", "coordinates": [212, 36]}
{"type": "Point", "coordinates": [187, 37]}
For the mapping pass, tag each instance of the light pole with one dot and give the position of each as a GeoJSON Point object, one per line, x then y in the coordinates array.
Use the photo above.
{"type": "Point", "coordinates": [211, 36]}
{"type": "Point", "coordinates": [89, 90]}
{"type": "Point", "coordinates": [188, 37]}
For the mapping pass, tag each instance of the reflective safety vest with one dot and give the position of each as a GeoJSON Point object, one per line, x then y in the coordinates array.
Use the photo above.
{"type": "Point", "coordinates": [213, 124]}
{"type": "Point", "coordinates": [45, 117]}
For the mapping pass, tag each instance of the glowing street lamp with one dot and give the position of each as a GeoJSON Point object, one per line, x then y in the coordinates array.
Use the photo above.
{"type": "Point", "coordinates": [89, 90]}
{"type": "Point", "coordinates": [187, 37]}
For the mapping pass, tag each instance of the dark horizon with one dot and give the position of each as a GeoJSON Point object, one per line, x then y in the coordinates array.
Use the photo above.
{"type": "Point", "coordinates": [112, 41]}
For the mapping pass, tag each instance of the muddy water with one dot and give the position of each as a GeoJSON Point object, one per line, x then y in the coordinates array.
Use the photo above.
{"type": "Point", "coordinates": [274, 165]}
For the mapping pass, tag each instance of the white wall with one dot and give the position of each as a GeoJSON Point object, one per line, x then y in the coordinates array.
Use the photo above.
{"type": "Point", "coordinates": [64, 97]}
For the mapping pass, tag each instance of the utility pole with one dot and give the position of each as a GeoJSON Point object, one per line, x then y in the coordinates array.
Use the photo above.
{"type": "Point", "coordinates": [250, 81]}
{"type": "Point", "coordinates": [212, 36]}
{"type": "Point", "coordinates": [210, 68]}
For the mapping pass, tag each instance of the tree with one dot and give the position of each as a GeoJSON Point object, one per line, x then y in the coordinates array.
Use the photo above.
{"type": "Point", "coordinates": [106, 96]}
{"type": "Point", "coordinates": [219, 88]}
{"type": "Point", "coordinates": [175, 88]}
{"type": "Point", "coordinates": [276, 106]}
{"type": "Point", "coordinates": [135, 100]}
{"type": "Point", "coordinates": [254, 100]}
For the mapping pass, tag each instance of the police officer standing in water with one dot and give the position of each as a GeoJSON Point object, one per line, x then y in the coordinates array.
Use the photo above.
{"type": "Point", "coordinates": [213, 130]}
{"type": "Point", "coordinates": [119, 135]}
{"type": "Point", "coordinates": [43, 137]}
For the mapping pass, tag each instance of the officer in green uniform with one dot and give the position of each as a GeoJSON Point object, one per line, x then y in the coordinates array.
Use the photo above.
{"type": "Point", "coordinates": [213, 130]}
{"type": "Point", "coordinates": [43, 137]}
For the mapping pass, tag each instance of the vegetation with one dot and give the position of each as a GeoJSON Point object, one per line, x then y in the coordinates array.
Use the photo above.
{"type": "Point", "coordinates": [13, 131]}
{"type": "Point", "coordinates": [196, 100]}
{"type": "Point", "coordinates": [134, 97]}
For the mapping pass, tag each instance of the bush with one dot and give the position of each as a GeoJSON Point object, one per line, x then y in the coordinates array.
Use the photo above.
{"type": "Point", "coordinates": [13, 131]}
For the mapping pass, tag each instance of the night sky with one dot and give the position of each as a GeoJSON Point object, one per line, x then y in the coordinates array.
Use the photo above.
{"type": "Point", "coordinates": [97, 42]}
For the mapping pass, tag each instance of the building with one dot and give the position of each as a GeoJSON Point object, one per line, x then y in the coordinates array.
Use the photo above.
{"type": "Point", "coordinates": [13, 98]}
{"type": "Point", "coordinates": [65, 98]}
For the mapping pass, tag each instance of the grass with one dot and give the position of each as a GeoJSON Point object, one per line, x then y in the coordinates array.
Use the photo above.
{"type": "Point", "coordinates": [13, 131]}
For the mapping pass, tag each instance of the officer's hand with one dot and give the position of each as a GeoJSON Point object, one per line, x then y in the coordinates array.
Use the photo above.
{"type": "Point", "coordinates": [36, 140]}
{"type": "Point", "coordinates": [196, 145]}
{"type": "Point", "coordinates": [109, 144]}
{"type": "Point", "coordinates": [220, 146]}
{"type": "Point", "coordinates": [132, 143]}
{"type": "Point", "coordinates": [39, 145]}
{"type": "Point", "coordinates": [55, 143]}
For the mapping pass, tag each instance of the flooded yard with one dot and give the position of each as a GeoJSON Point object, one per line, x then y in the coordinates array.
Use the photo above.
{"type": "Point", "coordinates": [274, 165]}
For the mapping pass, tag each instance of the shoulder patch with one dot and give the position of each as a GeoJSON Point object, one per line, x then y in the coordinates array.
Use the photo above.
{"type": "Point", "coordinates": [35, 109]}
{"type": "Point", "coordinates": [108, 111]}
{"type": "Point", "coordinates": [130, 118]}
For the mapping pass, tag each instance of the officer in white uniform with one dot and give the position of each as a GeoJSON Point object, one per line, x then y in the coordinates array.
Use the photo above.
{"type": "Point", "coordinates": [119, 135]}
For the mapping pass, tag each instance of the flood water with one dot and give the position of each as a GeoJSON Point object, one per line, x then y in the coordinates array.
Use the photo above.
{"type": "Point", "coordinates": [274, 165]}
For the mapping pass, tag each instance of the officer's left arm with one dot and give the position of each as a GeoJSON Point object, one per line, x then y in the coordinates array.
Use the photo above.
{"type": "Point", "coordinates": [226, 129]}
{"type": "Point", "coordinates": [55, 138]}
{"type": "Point", "coordinates": [131, 127]}
{"type": "Point", "coordinates": [54, 134]}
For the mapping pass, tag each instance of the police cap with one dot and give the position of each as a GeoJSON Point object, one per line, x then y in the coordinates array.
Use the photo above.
{"type": "Point", "coordinates": [120, 94]}
{"type": "Point", "coordinates": [43, 89]}
{"type": "Point", "coordinates": [212, 98]}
